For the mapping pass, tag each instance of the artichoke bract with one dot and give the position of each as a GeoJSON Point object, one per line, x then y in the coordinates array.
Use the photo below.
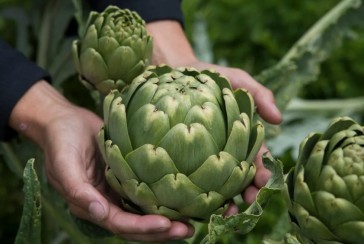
{"type": "Point", "coordinates": [325, 190]}
{"type": "Point", "coordinates": [179, 142]}
{"type": "Point", "coordinates": [114, 49]}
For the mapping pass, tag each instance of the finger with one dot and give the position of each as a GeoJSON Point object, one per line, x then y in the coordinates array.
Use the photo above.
{"type": "Point", "coordinates": [263, 174]}
{"type": "Point", "coordinates": [86, 202]}
{"type": "Point", "coordinates": [71, 181]}
{"type": "Point", "coordinates": [232, 209]}
{"type": "Point", "coordinates": [263, 97]}
{"type": "Point", "coordinates": [120, 222]}
{"type": "Point", "coordinates": [259, 157]}
{"type": "Point", "coordinates": [250, 194]}
{"type": "Point", "coordinates": [177, 231]}
{"type": "Point", "coordinates": [139, 228]}
{"type": "Point", "coordinates": [264, 100]}
{"type": "Point", "coordinates": [266, 106]}
{"type": "Point", "coordinates": [261, 177]}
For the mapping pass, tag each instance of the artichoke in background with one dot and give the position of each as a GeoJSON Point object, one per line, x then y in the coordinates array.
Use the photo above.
{"type": "Point", "coordinates": [325, 190]}
{"type": "Point", "coordinates": [179, 142]}
{"type": "Point", "coordinates": [114, 49]}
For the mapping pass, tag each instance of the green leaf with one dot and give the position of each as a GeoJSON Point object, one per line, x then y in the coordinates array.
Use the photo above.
{"type": "Point", "coordinates": [62, 66]}
{"type": "Point", "coordinates": [11, 159]}
{"type": "Point", "coordinates": [301, 65]}
{"type": "Point", "coordinates": [302, 62]}
{"type": "Point", "coordinates": [79, 16]}
{"type": "Point", "coordinates": [245, 221]}
{"type": "Point", "coordinates": [19, 16]}
{"type": "Point", "coordinates": [54, 23]}
{"type": "Point", "coordinates": [30, 226]}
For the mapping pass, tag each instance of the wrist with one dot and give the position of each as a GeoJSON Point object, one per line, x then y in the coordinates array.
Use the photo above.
{"type": "Point", "coordinates": [37, 108]}
{"type": "Point", "coordinates": [170, 45]}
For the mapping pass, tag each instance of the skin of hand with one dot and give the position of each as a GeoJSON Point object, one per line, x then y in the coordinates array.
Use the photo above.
{"type": "Point", "coordinates": [67, 134]}
{"type": "Point", "coordinates": [172, 47]}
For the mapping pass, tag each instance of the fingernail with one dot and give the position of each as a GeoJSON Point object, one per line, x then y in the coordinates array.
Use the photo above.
{"type": "Point", "coordinates": [275, 109]}
{"type": "Point", "coordinates": [97, 211]}
{"type": "Point", "coordinates": [276, 112]}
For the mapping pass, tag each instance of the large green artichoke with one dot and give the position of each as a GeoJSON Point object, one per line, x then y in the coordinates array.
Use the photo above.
{"type": "Point", "coordinates": [179, 142]}
{"type": "Point", "coordinates": [114, 49]}
{"type": "Point", "coordinates": [325, 191]}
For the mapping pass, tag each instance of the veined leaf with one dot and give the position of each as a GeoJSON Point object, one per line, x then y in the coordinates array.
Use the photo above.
{"type": "Point", "coordinates": [301, 64]}
{"type": "Point", "coordinates": [30, 227]}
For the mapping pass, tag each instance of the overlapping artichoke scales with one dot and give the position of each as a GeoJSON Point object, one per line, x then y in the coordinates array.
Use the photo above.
{"type": "Point", "coordinates": [179, 143]}
{"type": "Point", "coordinates": [114, 50]}
{"type": "Point", "coordinates": [325, 191]}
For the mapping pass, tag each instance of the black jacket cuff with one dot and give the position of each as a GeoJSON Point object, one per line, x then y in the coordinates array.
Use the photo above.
{"type": "Point", "coordinates": [149, 10]}
{"type": "Point", "coordinates": [17, 75]}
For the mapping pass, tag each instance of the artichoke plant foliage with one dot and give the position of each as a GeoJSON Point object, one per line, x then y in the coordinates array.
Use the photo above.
{"type": "Point", "coordinates": [179, 142]}
{"type": "Point", "coordinates": [114, 49]}
{"type": "Point", "coordinates": [325, 190]}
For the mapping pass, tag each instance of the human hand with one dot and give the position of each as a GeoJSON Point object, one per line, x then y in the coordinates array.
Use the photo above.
{"type": "Point", "coordinates": [172, 47]}
{"type": "Point", "coordinates": [67, 134]}
{"type": "Point", "coordinates": [263, 97]}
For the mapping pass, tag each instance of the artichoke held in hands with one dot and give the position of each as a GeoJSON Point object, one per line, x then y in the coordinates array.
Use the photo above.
{"type": "Point", "coordinates": [179, 142]}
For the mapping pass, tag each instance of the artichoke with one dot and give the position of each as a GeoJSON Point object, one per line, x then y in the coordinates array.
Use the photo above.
{"type": "Point", "coordinates": [179, 142]}
{"type": "Point", "coordinates": [325, 190]}
{"type": "Point", "coordinates": [114, 49]}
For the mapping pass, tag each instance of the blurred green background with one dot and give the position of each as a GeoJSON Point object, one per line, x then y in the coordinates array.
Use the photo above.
{"type": "Point", "coordinates": [251, 35]}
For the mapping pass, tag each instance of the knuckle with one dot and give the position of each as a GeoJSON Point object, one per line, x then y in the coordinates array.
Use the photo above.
{"type": "Point", "coordinates": [72, 194]}
{"type": "Point", "coordinates": [264, 93]}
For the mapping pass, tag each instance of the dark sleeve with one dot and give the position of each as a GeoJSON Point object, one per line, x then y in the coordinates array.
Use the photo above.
{"type": "Point", "coordinates": [17, 75]}
{"type": "Point", "coordinates": [149, 10]}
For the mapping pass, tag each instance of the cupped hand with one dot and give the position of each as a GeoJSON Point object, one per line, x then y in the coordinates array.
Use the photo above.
{"type": "Point", "coordinates": [266, 108]}
{"type": "Point", "coordinates": [175, 50]}
{"type": "Point", "coordinates": [75, 169]}
{"type": "Point", "coordinates": [67, 134]}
